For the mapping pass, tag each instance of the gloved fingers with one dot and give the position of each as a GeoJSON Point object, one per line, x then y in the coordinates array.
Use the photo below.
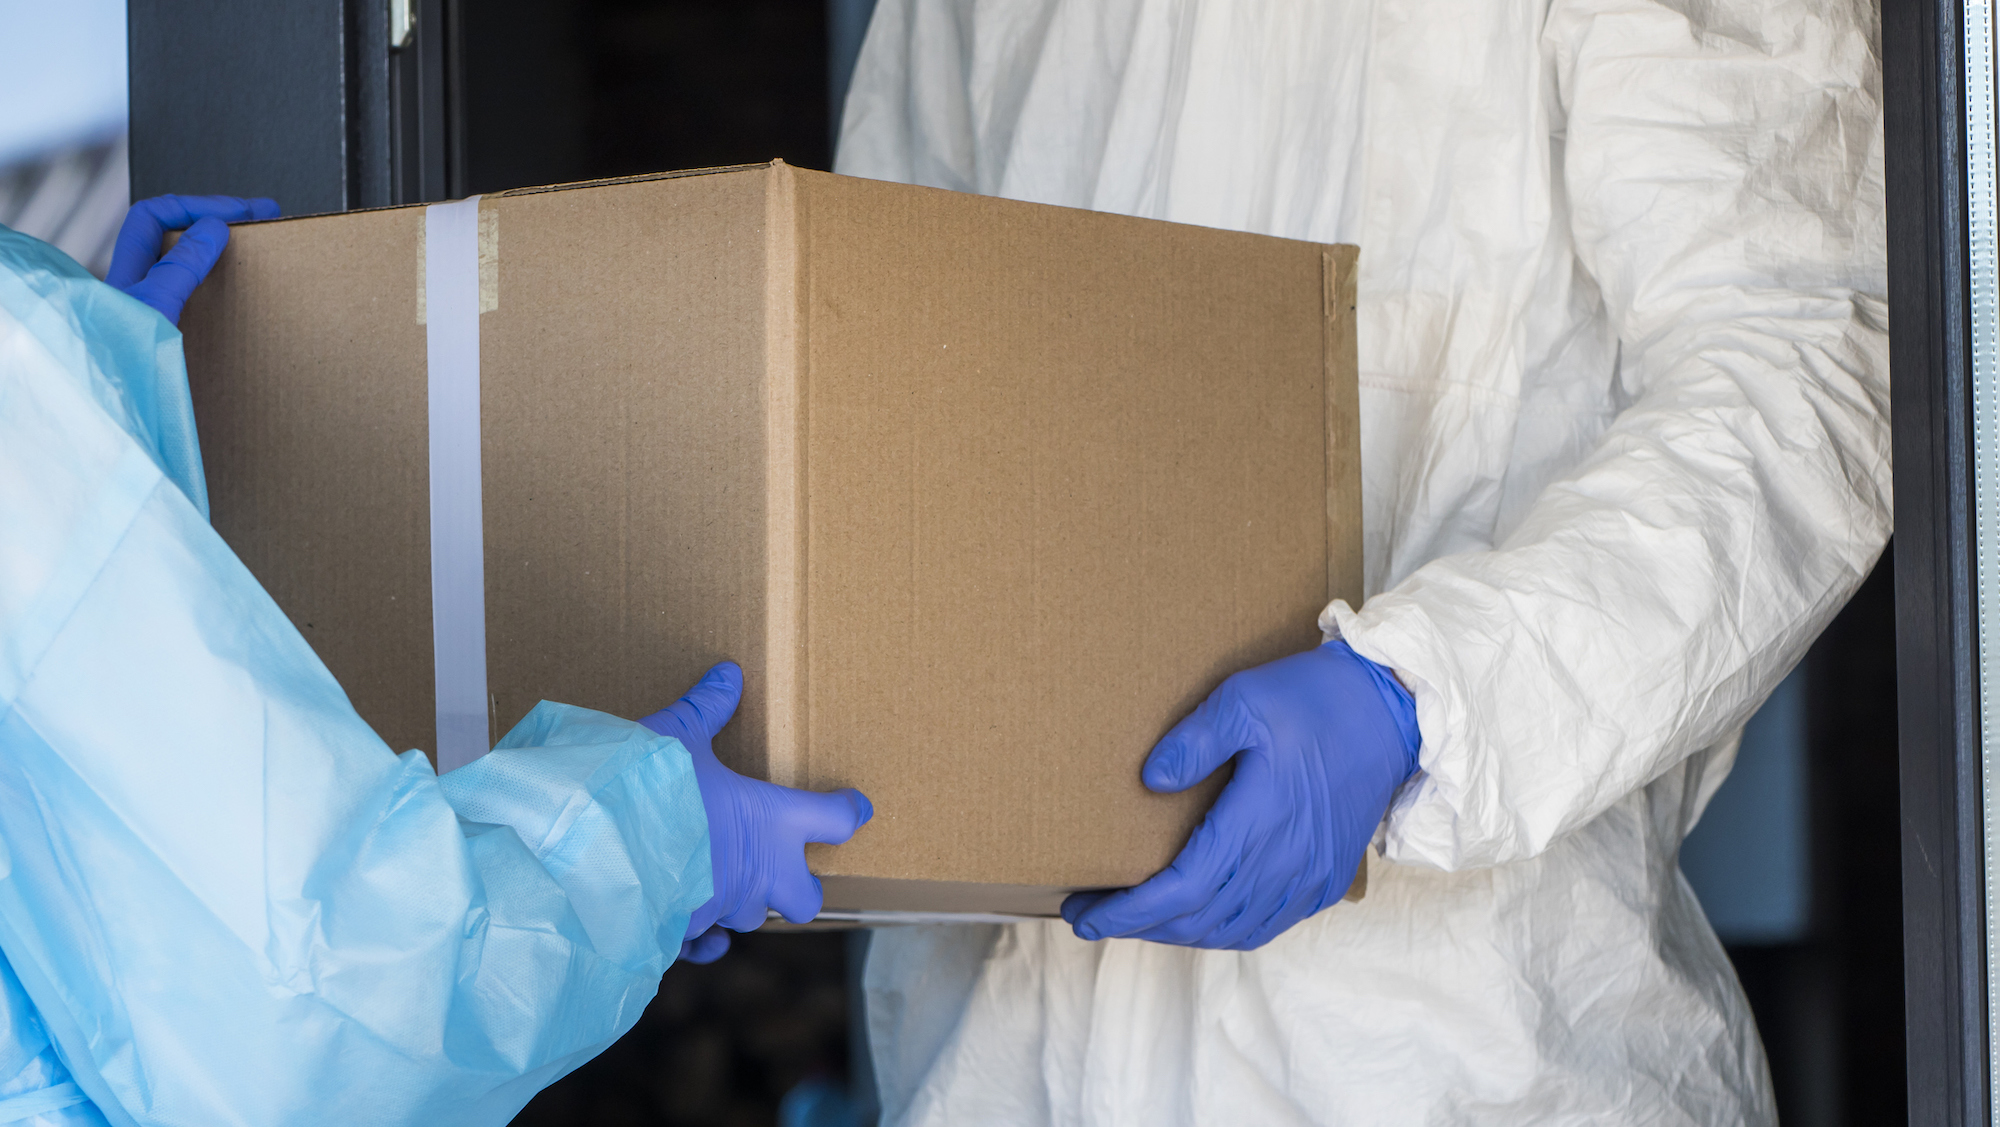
{"type": "Point", "coordinates": [1185, 886]}
{"type": "Point", "coordinates": [148, 221]}
{"type": "Point", "coordinates": [704, 709]}
{"type": "Point", "coordinates": [1217, 924]}
{"type": "Point", "coordinates": [193, 256]}
{"type": "Point", "coordinates": [701, 712]}
{"type": "Point", "coordinates": [828, 817]}
{"type": "Point", "coordinates": [797, 895]}
{"type": "Point", "coordinates": [172, 280]}
{"type": "Point", "coordinates": [705, 947]}
{"type": "Point", "coordinates": [1195, 927]}
{"type": "Point", "coordinates": [748, 916]}
{"type": "Point", "coordinates": [174, 212]}
{"type": "Point", "coordinates": [1205, 739]}
{"type": "Point", "coordinates": [1245, 914]}
{"type": "Point", "coordinates": [1302, 897]}
{"type": "Point", "coordinates": [1262, 886]}
{"type": "Point", "coordinates": [1077, 903]}
{"type": "Point", "coordinates": [705, 916]}
{"type": "Point", "coordinates": [1223, 846]}
{"type": "Point", "coordinates": [1267, 913]}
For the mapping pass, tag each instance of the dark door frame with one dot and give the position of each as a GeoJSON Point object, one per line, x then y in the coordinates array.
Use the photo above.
{"type": "Point", "coordinates": [1937, 686]}
{"type": "Point", "coordinates": [302, 100]}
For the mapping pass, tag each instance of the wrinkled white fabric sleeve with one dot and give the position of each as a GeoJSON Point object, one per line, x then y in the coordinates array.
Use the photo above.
{"type": "Point", "coordinates": [228, 900]}
{"type": "Point", "coordinates": [1724, 175]}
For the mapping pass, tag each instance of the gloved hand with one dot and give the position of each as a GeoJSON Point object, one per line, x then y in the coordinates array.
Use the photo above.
{"type": "Point", "coordinates": [1321, 741]}
{"type": "Point", "coordinates": [167, 283]}
{"type": "Point", "coordinates": [757, 831]}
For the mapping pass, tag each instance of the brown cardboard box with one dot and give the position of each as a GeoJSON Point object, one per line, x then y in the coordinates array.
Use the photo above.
{"type": "Point", "coordinates": [983, 495]}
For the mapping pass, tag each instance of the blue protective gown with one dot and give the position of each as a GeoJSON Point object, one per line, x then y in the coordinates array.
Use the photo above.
{"type": "Point", "coordinates": [223, 900]}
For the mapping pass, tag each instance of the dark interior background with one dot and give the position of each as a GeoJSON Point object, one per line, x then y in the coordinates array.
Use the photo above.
{"type": "Point", "coordinates": [561, 90]}
{"type": "Point", "coordinates": [1829, 1003]}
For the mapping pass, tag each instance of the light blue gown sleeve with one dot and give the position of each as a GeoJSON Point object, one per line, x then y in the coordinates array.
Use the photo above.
{"type": "Point", "coordinates": [225, 899]}
{"type": "Point", "coordinates": [37, 1090]}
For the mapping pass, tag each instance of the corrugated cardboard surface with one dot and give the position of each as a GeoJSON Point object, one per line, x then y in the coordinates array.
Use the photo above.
{"type": "Point", "coordinates": [622, 412]}
{"type": "Point", "coordinates": [307, 367]}
{"type": "Point", "coordinates": [983, 495]}
{"type": "Point", "coordinates": [1064, 474]}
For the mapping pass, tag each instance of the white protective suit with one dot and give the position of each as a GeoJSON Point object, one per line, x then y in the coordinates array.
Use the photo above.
{"type": "Point", "coordinates": [1625, 440]}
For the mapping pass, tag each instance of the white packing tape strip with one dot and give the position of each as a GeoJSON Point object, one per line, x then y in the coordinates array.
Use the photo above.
{"type": "Point", "coordinates": [458, 540]}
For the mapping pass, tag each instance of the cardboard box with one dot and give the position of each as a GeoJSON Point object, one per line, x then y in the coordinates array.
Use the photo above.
{"type": "Point", "coordinates": [983, 495]}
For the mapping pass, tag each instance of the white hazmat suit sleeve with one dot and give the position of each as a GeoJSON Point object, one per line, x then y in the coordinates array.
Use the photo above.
{"type": "Point", "coordinates": [228, 901]}
{"type": "Point", "coordinates": [1723, 172]}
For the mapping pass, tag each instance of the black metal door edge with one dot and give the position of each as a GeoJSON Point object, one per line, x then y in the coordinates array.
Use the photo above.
{"type": "Point", "coordinates": [303, 100]}
{"type": "Point", "coordinates": [427, 133]}
{"type": "Point", "coordinates": [1943, 873]}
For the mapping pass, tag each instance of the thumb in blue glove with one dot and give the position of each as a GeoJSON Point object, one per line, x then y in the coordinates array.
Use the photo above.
{"type": "Point", "coordinates": [757, 831]}
{"type": "Point", "coordinates": [166, 283]}
{"type": "Point", "coordinates": [1321, 740]}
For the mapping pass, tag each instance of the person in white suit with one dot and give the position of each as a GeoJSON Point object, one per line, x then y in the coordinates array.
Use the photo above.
{"type": "Point", "coordinates": [1625, 446]}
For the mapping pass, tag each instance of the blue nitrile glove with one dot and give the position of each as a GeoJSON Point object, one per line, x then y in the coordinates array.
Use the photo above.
{"type": "Point", "coordinates": [167, 283]}
{"type": "Point", "coordinates": [757, 831]}
{"type": "Point", "coordinates": [1321, 741]}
